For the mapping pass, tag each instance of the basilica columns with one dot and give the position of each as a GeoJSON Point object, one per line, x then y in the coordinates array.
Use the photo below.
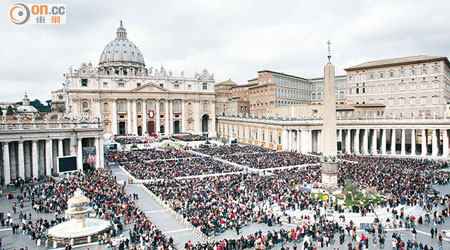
{"type": "Point", "coordinates": [166, 118]}
{"type": "Point", "coordinates": [158, 116]}
{"type": "Point", "coordinates": [129, 125]}
{"type": "Point", "coordinates": [183, 116]}
{"type": "Point", "coordinates": [144, 117]}
{"type": "Point", "coordinates": [134, 112]}
{"type": "Point", "coordinates": [114, 117]}
{"type": "Point", "coordinates": [171, 117]}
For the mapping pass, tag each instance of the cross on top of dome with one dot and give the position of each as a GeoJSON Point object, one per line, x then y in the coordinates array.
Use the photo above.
{"type": "Point", "coordinates": [121, 32]}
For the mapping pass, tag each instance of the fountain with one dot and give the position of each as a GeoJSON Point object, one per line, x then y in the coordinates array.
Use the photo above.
{"type": "Point", "coordinates": [79, 229]}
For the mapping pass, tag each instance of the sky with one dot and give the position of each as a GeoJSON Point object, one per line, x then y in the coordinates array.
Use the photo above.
{"type": "Point", "coordinates": [230, 38]}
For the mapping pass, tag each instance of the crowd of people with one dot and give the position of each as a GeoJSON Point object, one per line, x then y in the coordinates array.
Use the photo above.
{"type": "Point", "coordinates": [107, 197]}
{"type": "Point", "coordinates": [189, 137]}
{"type": "Point", "coordinates": [162, 169]}
{"type": "Point", "coordinates": [150, 164]}
{"type": "Point", "coordinates": [402, 181]}
{"type": "Point", "coordinates": [258, 157]}
{"type": "Point", "coordinates": [131, 139]}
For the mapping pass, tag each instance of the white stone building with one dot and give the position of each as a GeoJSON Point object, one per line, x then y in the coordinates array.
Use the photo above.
{"type": "Point", "coordinates": [133, 99]}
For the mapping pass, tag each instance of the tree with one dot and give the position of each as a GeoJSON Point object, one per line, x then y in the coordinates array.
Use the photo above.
{"type": "Point", "coordinates": [1, 111]}
{"type": "Point", "coordinates": [9, 110]}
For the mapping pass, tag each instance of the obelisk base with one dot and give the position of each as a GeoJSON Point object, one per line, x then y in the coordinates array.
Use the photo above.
{"type": "Point", "coordinates": [330, 171]}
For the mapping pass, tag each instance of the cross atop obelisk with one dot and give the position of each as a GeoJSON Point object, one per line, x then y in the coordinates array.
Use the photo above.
{"type": "Point", "coordinates": [329, 50]}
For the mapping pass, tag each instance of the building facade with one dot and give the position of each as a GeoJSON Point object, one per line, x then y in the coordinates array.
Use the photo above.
{"type": "Point", "coordinates": [30, 149]}
{"type": "Point", "coordinates": [133, 99]}
{"type": "Point", "coordinates": [384, 136]}
{"type": "Point", "coordinates": [410, 87]}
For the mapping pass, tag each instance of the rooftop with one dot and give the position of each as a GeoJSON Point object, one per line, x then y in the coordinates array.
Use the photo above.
{"type": "Point", "coordinates": [398, 61]}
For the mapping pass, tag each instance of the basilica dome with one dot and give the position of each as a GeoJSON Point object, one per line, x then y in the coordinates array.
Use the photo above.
{"type": "Point", "coordinates": [121, 51]}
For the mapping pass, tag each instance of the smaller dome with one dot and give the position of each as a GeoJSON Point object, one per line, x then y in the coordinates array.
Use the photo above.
{"type": "Point", "coordinates": [121, 50]}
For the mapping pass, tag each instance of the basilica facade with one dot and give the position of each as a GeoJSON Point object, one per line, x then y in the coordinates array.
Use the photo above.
{"type": "Point", "coordinates": [130, 98]}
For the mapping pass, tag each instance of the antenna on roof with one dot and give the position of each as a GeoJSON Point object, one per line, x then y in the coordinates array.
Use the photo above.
{"type": "Point", "coordinates": [329, 50]}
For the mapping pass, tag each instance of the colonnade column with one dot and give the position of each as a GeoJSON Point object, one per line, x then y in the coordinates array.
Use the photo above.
{"type": "Point", "coordinates": [310, 132]}
{"type": "Point", "coordinates": [289, 147]}
{"type": "Point", "coordinates": [21, 160]}
{"type": "Point", "coordinates": [80, 155]}
{"type": "Point", "coordinates": [298, 141]}
{"type": "Point", "coordinates": [356, 146]}
{"type": "Point", "coordinates": [413, 142]}
{"type": "Point", "coordinates": [383, 141]}
{"type": "Point", "coordinates": [129, 126]}
{"type": "Point", "coordinates": [403, 150]}
{"type": "Point", "coordinates": [48, 156]}
{"type": "Point", "coordinates": [374, 142]}
{"type": "Point", "coordinates": [114, 117]}
{"type": "Point", "coordinates": [212, 109]}
{"type": "Point", "coordinates": [424, 142]}
{"type": "Point", "coordinates": [434, 143]}
{"type": "Point", "coordinates": [366, 141]}
{"type": "Point", "coordinates": [97, 155]}
{"type": "Point", "coordinates": [34, 155]}
{"type": "Point", "coordinates": [445, 144]}
{"type": "Point", "coordinates": [6, 163]}
{"type": "Point", "coordinates": [144, 117]}
{"type": "Point", "coordinates": [284, 138]}
{"type": "Point", "coordinates": [348, 142]}
{"type": "Point", "coordinates": [393, 142]}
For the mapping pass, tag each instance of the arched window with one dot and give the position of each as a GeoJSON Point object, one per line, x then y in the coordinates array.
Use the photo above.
{"type": "Point", "coordinates": [85, 105]}
{"type": "Point", "coordinates": [121, 107]}
{"type": "Point", "coordinates": [138, 107]}
{"type": "Point", "coordinates": [150, 106]}
{"type": "Point", "coordinates": [105, 107]}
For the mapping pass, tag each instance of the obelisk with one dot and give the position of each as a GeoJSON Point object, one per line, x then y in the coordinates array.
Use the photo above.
{"type": "Point", "coordinates": [329, 139]}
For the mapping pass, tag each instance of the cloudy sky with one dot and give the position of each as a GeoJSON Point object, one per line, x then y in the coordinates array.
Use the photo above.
{"type": "Point", "coordinates": [231, 38]}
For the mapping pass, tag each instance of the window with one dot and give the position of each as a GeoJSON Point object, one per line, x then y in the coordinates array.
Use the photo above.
{"type": "Point", "coordinates": [436, 70]}
{"type": "Point", "coordinates": [413, 72]}
{"type": "Point", "coordinates": [138, 107]}
{"type": "Point", "coordinates": [161, 107]}
{"type": "Point", "coordinates": [105, 107]}
{"type": "Point", "coordinates": [176, 107]}
{"type": "Point", "coordinates": [138, 84]}
{"type": "Point", "coordinates": [161, 85]}
{"type": "Point", "coordinates": [391, 74]}
{"type": "Point", "coordinates": [435, 99]}
{"type": "Point", "coordinates": [391, 101]}
{"type": "Point", "coordinates": [176, 86]}
{"type": "Point", "coordinates": [412, 101]}
{"type": "Point", "coordinates": [381, 75]}
{"type": "Point", "coordinates": [371, 76]}
{"type": "Point", "coordinates": [121, 107]}
{"type": "Point", "coordinates": [150, 106]}
{"type": "Point", "coordinates": [105, 84]}
{"type": "Point", "coordinates": [84, 82]}
{"type": "Point", "coordinates": [121, 85]}
{"type": "Point", "coordinates": [205, 107]}
{"type": "Point", "coordinates": [402, 73]}
{"type": "Point", "coordinates": [85, 105]}
{"type": "Point", "coordinates": [401, 101]}
{"type": "Point", "coordinates": [205, 86]}
{"type": "Point", "coordinates": [423, 100]}
{"type": "Point", "coordinates": [424, 71]}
